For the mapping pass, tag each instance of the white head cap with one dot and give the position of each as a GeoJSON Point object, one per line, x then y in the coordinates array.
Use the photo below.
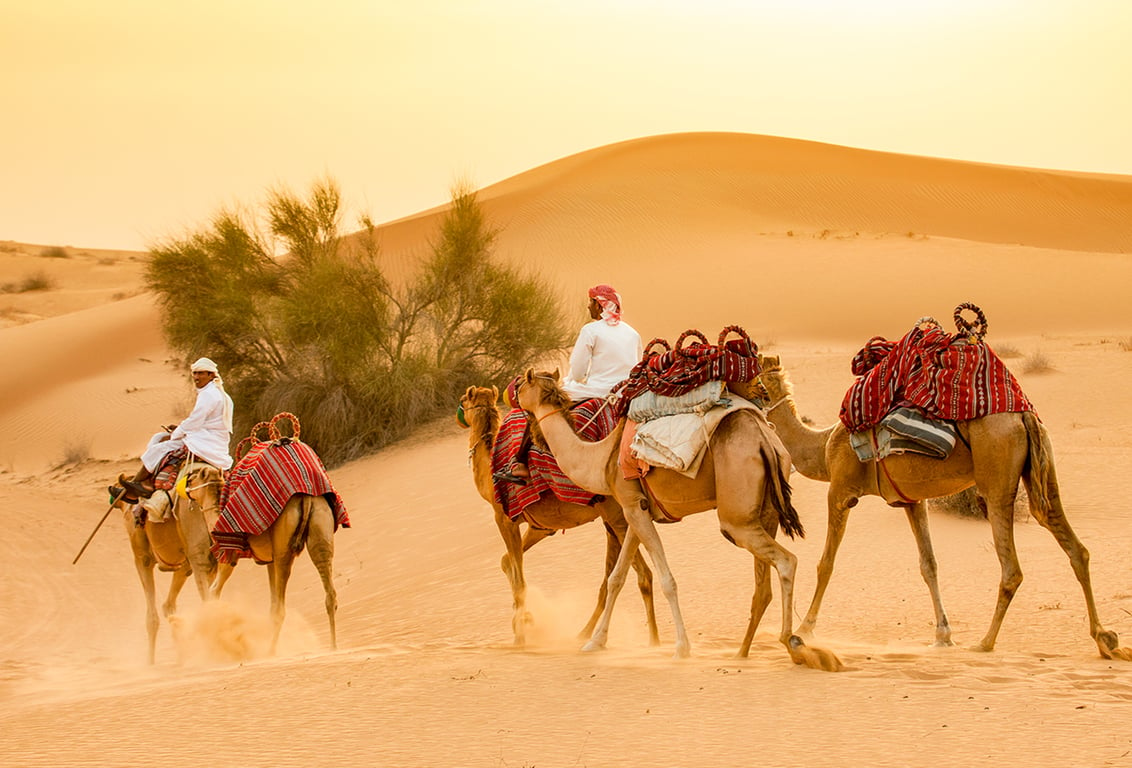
{"type": "Point", "coordinates": [204, 364]}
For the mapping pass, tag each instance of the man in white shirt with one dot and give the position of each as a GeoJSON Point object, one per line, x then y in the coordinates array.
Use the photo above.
{"type": "Point", "coordinates": [205, 432]}
{"type": "Point", "coordinates": [605, 352]}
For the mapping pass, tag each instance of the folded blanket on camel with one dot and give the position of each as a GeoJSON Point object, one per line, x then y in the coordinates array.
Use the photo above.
{"type": "Point", "coordinates": [650, 405]}
{"type": "Point", "coordinates": [593, 419]}
{"type": "Point", "coordinates": [679, 442]}
{"type": "Point", "coordinates": [260, 485]}
{"type": "Point", "coordinates": [905, 430]}
{"type": "Point", "coordinates": [942, 374]}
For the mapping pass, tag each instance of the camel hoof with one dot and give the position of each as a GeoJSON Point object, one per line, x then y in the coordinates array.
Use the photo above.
{"type": "Point", "coordinates": [592, 646]}
{"type": "Point", "coordinates": [813, 657]}
{"type": "Point", "coordinates": [682, 652]}
{"type": "Point", "coordinates": [1109, 645]}
{"type": "Point", "coordinates": [981, 648]}
{"type": "Point", "coordinates": [947, 643]}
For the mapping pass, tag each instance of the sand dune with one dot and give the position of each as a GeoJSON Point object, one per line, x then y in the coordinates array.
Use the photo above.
{"type": "Point", "coordinates": [805, 245]}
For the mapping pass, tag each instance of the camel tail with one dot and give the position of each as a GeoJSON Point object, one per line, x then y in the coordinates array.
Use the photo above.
{"type": "Point", "coordinates": [780, 495]}
{"type": "Point", "coordinates": [302, 530]}
{"type": "Point", "coordinates": [1039, 466]}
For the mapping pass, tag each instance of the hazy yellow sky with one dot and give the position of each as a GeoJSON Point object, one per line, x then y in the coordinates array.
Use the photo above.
{"type": "Point", "coordinates": [123, 121]}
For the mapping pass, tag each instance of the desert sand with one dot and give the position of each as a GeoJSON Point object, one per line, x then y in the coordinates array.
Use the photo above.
{"type": "Point", "coordinates": [811, 248]}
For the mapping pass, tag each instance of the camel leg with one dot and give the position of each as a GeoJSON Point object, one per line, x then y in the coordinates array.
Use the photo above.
{"type": "Point", "coordinates": [144, 563]}
{"type": "Point", "coordinates": [1001, 514]}
{"type": "Point", "coordinates": [644, 584]}
{"type": "Point", "coordinates": [763, 546]}
{"type": "Point", "coordinates": [145, 575]}
{"type": "Point", "coordinates": [918, 519]}
{"type": "Point", "coordinates": [512, 565]}
{"type": "Point", "coordinates": [612, 552]}
{"type": "Point", "coordinates": [180, 576]}
{"type": "Point", "coordinates": [645, 534]}
{"type": "Point", "coordinates": [1055, 521]}
{"type": "Point", "coordinates": [223, 573]}
{"type": "Point", "coordinates": [835, 532]}
{"type": "Point", "coordinates": [629, 550]}
{"type": "Point", "coordinates": [613, 544]}
{"type": "Point", "coordinates": [759, 603]}
{"type": "Point", "coordinates": [279, 573]}
{"type": "Point", "coordinates": [320, 546]}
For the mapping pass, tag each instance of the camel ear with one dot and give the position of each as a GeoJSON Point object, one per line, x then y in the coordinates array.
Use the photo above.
{"type": "Point", "coordinates": [529, 375]}
{"type": "Point", "coordinates": [470, 393]}
{"type": "Point", "coordinates": [494, 394]}
{"type": "Point", "coordinates": [768, 361]}
{"type": "Point", "coordinates": [556, 376]}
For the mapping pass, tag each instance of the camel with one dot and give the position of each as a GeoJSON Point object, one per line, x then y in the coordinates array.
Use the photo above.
{"type": "Point", "coordinates": [995, 453]}
{"type": "Point", "coordinates": [182, 544]}
{"type": "Point", "coordinates": [305, 521]}
{"type": "Point", "coordinates": [743, 477]}
{"type": "Point", "coordinates": [545, 517]}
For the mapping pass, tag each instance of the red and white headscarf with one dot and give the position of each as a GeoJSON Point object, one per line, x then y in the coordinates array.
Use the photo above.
{"type": "Point", "coordinates": [610, 302]}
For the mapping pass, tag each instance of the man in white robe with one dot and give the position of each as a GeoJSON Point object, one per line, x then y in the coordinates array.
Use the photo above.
{"type": "Point", "coordinates": [605, 353]}
{"type": "Point", "coordinates": [206, 432]}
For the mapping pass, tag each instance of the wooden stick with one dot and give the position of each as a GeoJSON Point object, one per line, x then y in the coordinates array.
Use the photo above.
{"type": "Point", "coordinates": [100, 522]}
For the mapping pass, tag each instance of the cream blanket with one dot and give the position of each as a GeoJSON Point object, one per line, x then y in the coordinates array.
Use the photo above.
{"type": "Point", "coordinates": [679, 442]}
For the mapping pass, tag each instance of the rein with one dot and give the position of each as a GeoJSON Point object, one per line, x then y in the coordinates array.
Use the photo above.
{"type": "Point", "coordinates": [777, 403]}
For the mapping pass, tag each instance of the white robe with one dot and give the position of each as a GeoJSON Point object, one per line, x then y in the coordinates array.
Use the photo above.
{"type": "Point", "coordinates": [206, 432]}
{"type": "Point", "coordinates": [602, 357]}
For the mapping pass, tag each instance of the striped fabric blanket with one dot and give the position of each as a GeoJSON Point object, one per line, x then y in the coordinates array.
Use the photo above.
{"type": "Point", "coordinates": [261, 484]}
{"type": "Point", "coordinates": [591, 420]}
{"type": "Point", "coordinates": [942, 374]}
{"type": "Point", "coordinates": [679, 370]}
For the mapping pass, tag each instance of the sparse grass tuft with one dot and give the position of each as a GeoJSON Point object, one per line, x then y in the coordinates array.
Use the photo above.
{"type": "Point", "coordinates": [76, 450]}
{"type": "Point", "coordinates": [1006, 351]}
{"type": "Point", "coordinates": [1126, 344]}
{"type": "Point", "coordinates": [55, 252]}
{"type": "Point", "coordinates": [1037, 362]}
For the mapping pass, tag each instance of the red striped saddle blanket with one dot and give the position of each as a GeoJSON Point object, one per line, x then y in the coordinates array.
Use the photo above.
{"type": "Point", "coordinates": [593, 422]}
{"type": "Point", "coordinates": [260, 485]}
{"type": "Point", "coordinates": [945, 375]}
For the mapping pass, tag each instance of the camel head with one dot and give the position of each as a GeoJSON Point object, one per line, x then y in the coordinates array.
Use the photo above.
{"type": "Point", "coordinates": [773, 380]}
{"type": "Point", "coordinates": [479, 412]}
{"type": "Point", "coordinates": [542, 388]}
{"type": "Point", "coordinates": [202, 485]}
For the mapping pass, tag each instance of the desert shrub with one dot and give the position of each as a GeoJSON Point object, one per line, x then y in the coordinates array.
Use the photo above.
{"type": "Point", "coordinates": [36, 281]}
{"type": "Point", "coordinates": [55, 252]}
{"type": "Point", "coordinates": [321, 332]}
{"type": "Point", "coordinates": [1126, 345]}
{"type": "Point", "coordinates": [1037, 362]}
{"type": "Point", "coordinates": [968, 503]}
{"type": "Point", "coordinates": [1007, 351]}
{"type": "Point", "coordinates": [76, 450]}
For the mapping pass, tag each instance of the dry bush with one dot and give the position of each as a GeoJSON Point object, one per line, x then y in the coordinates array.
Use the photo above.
{"type": "Point", "coordinates": [55, 252]}
{"type": "Point", "coordinates": [969, 504]}
{"type": "Point", "coordinates": [1006, 351]}
{"type": "Point", "coordinates": [1126, 344]}
{"type": "Point", "coordinates": [323, 334]}
{"type": "Point", "coordinates": [1037, 362]}
{"type": "Point", "coordinates": [36, 281]}
{"type": "Point", "coordinates": [76, 450]}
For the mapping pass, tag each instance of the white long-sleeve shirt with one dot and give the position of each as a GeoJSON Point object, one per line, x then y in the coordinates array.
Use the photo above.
{"type": "Point", "coordinates": [206, 431]}
{"type": "Point", "coordinates": [602, 357]}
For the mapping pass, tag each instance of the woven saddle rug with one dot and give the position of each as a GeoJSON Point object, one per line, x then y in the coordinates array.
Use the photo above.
{"type": "Point", "coordinates": [944, 375]}
{"type": "Point", "coordinates": [680, 370]}
{"type": "Point", "coordinates": [592, 421]}
{"type": "Point", "coordinates": [260, 485]}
